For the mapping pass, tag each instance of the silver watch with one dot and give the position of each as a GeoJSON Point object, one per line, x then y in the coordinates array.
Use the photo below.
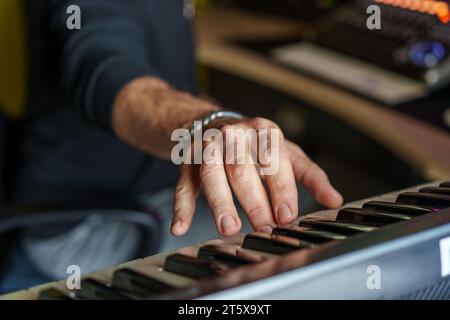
{"type": "Point", "coordinates": [209, 119]}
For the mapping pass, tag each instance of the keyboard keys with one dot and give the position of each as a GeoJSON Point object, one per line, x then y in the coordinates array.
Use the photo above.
{"type": "Point", "coordinates": [440, 190]}
{"type": "Point", "coordinates": [273, 244]}
{"type": "Point", "coordinates": [437, 201]}
{"type": "Point", "coordinates": [193, 267]}
{"type": "Point", "coordinates": [313, 236]}
{"type": "Point", "coordinates": [356, 215]}
{"type": "Point", "coordinates": [53, 294]}
{"type": "Point", "coordinates": [93, 290]}
{"type": "Point", "coordinates": [212, 252]}
{"type": "Point", "coordinates": [337, 227]}
{"type": "Point", "coordinates": [407, 209]}
{"type": "Point", "coordinates": [445, 184]}
{"type": "Point", "coordinates": [137, 283]}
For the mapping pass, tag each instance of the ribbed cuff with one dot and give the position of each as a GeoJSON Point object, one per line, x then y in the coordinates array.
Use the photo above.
{"type": "Point", "coordinates": [106, 82]}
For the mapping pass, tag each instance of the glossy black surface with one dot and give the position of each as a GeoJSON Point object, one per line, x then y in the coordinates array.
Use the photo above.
{"type": "Point", "coordinates": [445, 184]}
{"type": "Point", "coordinates": [407, 209]}
{"type": "Point", "coordinates": [440, 190]}
{"type": "Point", "coordinates": [192, 267]}
{"type": "Point", "coordinates": [425, 199]}
{"type": "Point", "coordinates": [337, 227]}
{"type": "Point", "coordinates": [357, 215]}
{"type": "Point", "coordinates": [274, 245]}
{"type": "Point", "coordinates": [314, 236]}
{"type": "Point", "coordinates": [215, 253]}
{"type": "Point", "coordinates": [137, 283]}
{"type": "Point", "coordinates": [93, 290]}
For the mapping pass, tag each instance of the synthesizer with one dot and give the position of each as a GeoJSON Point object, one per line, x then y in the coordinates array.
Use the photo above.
{"type": "Point", "coordinates": [407, 58]}
{"type": "Point", "coordinates": [393, 246]}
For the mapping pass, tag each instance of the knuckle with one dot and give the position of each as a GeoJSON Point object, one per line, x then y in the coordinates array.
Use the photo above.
{"type": "Point", "coordinates": [279, 186]}
{"type": "Point", "coordinates": [238, 173]}
{"type": "Point", "coordinates": [263, 123]}
{"type": "Point", "coordinates": [181, 190]}
{"type": "Point", "coordinates": [259, 122]}
{"type": "Point", "coordinates": [218, 204]}
{"type": "Point", "coordinates": [208, 170]}
{"type": "Point", "coordinates": [312, 174]}
{"type": "Point", "coordinates": [317, 172]}
{"type": "Point", "coordinates": [227, 128]}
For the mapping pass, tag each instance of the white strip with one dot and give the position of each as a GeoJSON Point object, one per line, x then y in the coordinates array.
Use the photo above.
{"type": "Point", "coordinates": [362, 77]}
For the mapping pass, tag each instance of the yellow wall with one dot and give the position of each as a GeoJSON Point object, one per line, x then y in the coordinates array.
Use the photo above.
{"type": "Point", "coordinates": [12, 58]}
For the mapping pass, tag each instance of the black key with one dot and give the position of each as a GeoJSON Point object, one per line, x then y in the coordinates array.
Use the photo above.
{"type": "Point", "coordinates": [408, 209]}
{"type": "Point", "coordinates": [52, 294]}
{"type": "Point", "coordinates": [137, 283]}
{"type": "Point", "coordinates": [440, 190]}
{"type": "Point", "coordinates": [337, 227]}
{"type": "Point", "coordinates": [371, 217]}
{"type": "Point", "coordinates": [435, 201]}
{"type": "Point", "coordinates": [273, 244]}
{"type": "Point", "coordinates": [192, 267]}
{"type": "Point", "coordinates": [445, 184]}
{"type": "Point", "coordinates": [211, 252]}
{"type": "Point", "coordinates": [313, 236]}
{"type": "Point", "coordinates": [94, 290]}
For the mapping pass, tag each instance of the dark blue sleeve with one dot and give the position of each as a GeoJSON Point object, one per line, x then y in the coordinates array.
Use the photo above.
{"type": "Point", "coordinates": [99, 59]}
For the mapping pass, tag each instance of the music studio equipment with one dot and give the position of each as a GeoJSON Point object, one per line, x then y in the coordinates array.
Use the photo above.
{"type": "Point", "coordinates": [405, 61]}
{"type": "Point", "coordinates": [393, 246]}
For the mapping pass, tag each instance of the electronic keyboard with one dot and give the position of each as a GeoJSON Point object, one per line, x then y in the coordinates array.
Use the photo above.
{"type": "Point", "coordinates": [394, 246]}
{"type": "Point", "coordinates": [406, 59]}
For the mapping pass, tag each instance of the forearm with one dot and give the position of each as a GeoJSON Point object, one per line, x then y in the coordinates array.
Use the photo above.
{"type": "Point", "coordinates": [147, 110]}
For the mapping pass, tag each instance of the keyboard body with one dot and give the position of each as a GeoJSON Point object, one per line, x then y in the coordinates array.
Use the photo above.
{"type": "Point", "coordinates": [342, 254]}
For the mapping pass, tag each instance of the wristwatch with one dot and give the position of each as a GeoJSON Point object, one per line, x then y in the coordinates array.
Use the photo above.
{"type": "Point", "coordinates": [211, 118]}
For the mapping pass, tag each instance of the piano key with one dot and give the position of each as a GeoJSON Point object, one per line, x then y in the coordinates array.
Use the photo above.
{"type": "Point", "coordinates": [94, 290]}
{"type": "Point", "coordinates": [337, 227]}
{"type": "Point", "coordinates": [192, 267]}
{"type": "Point", "coordinates": [215, 253]}
{"type": "Point", "coordinates": [313, 236]}
{"type": "Point", "coordinates": [438, 190]}
{"type": "Point", "coordinates": [53, 294]}
{"type": "Point", "coordinates": [445, 184]}
{"type": "Point", "coordinates": [356, 215]}
{"type": "Point", "coordinates": [437, 201]}
{"type": "Point", "coordinates": [132, 281]}
{"type": "Point", "coordinates": [273, 244]}
{"type": "Point", "coordinates": [407, 209]}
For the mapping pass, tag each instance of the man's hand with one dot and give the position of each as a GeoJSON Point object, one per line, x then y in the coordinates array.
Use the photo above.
{"type": "Point", "coordinates": [145, 114]}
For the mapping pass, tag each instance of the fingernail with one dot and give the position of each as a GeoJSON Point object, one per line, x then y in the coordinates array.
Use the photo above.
{"type": "Point", "coordinates": [227, 223]}
{"type": "Point", "coordinates": [176, 226]}
{"type": "Point", "coordinates": [266, 229]}
{"type": "Point", "coordinates": [337, 196]}
{"type": "Point", "coordinates": [284, 214]}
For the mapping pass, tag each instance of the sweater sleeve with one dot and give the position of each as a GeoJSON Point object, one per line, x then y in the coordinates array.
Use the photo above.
{"type": "Point", "coordinates": [101, 57]}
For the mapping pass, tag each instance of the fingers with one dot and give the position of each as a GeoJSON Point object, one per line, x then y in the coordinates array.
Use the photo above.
{"type": "Point", "coordinates": [313, 178]}
{"type": "Point", "coordinates": [277, 170]}
{"type": "Point", "coordinates": [245, 180]}
{"type": "Point", "coordinates": [219, 197]}
{"type": "Point", "coordinates": [252, 196]}
{"type": "Point", "coordinates": [283, 190]}
{"type": "Point", "coordinates": [186, 194]}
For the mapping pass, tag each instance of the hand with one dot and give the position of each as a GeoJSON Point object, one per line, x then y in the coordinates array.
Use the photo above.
{"type": "Point", "coordinates": [265, 209]}
{"type": "Point", "coordinates": [146, 112]}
